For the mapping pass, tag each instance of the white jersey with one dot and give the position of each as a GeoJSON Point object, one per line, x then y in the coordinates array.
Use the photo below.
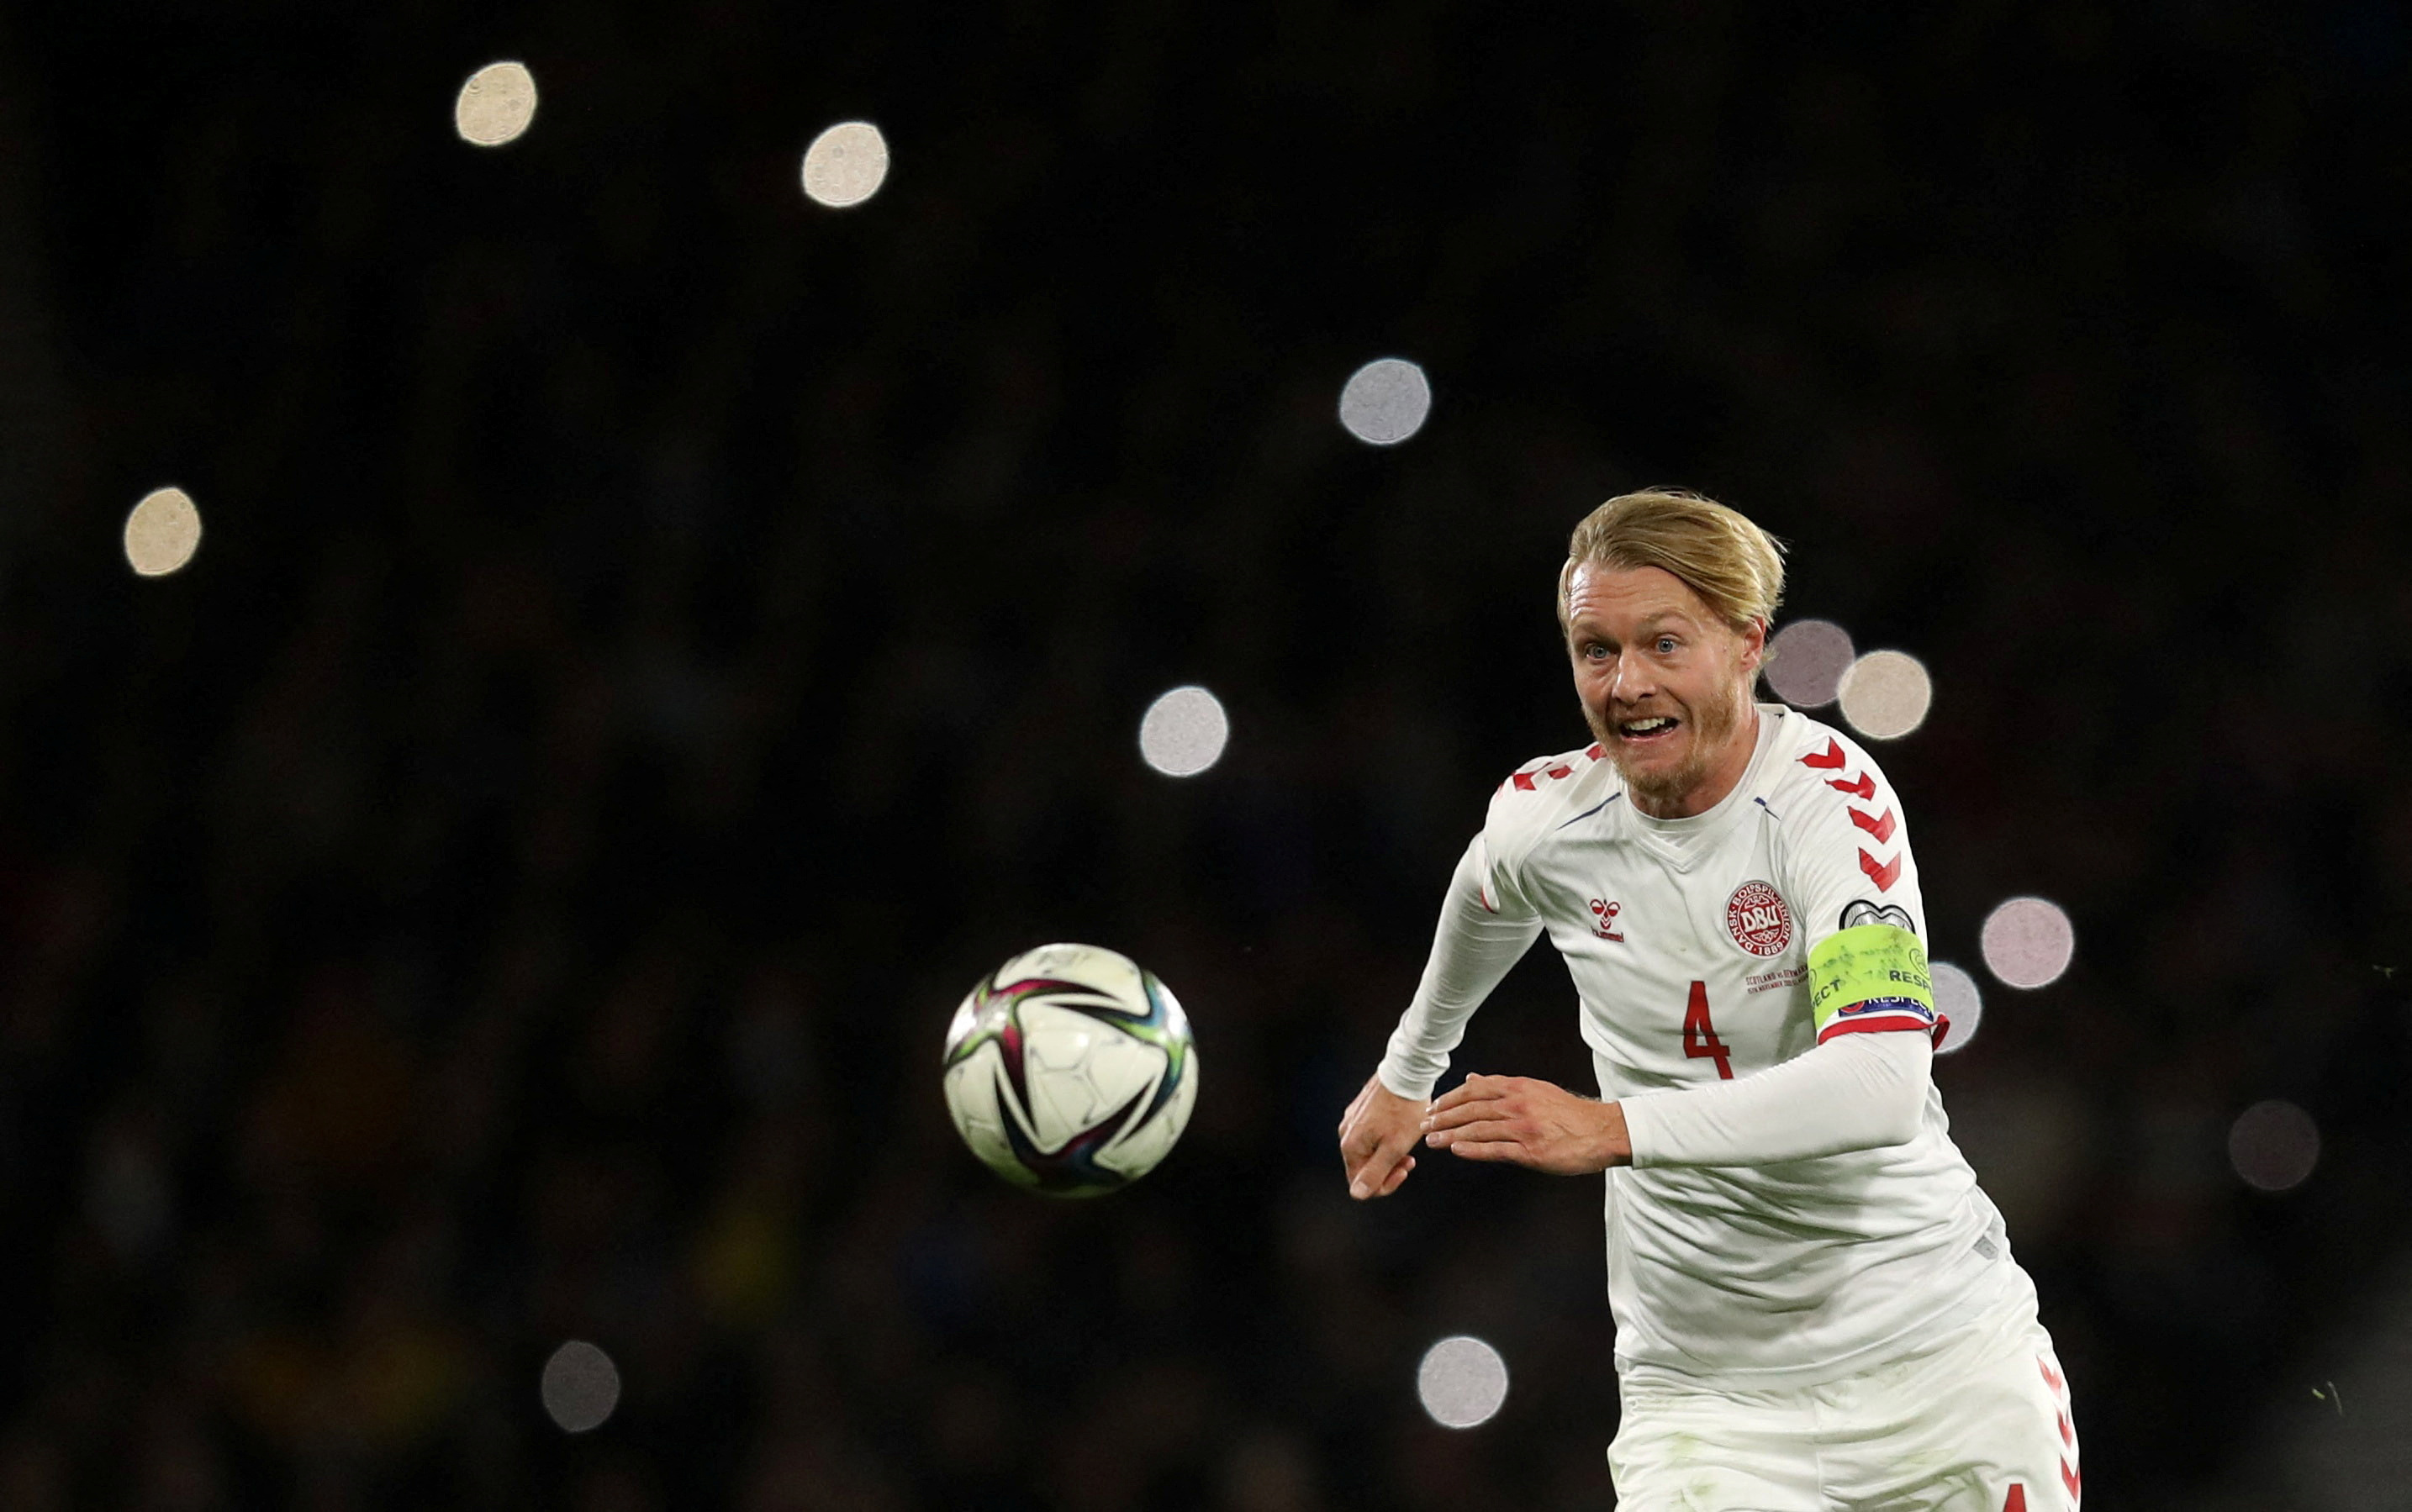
{"type": "Point", "coordinates": [1689, 943]}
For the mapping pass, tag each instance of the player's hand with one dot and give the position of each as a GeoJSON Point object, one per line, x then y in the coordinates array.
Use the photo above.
{"type": "Point", "coordinates": [1376, 1134]}
{"type": "Point", "coordinates": [1529, 1123]}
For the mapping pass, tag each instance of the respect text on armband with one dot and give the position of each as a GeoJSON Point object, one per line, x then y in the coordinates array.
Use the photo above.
{"type": "Point", "coordinates": [1916, 984]}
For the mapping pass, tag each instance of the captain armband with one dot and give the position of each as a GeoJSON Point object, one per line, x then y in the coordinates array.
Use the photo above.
{"type": "Point", "coordinates": [1871, 976]}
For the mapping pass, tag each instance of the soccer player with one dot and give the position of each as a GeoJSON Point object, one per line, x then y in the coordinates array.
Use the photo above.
{"type": "Point", "coordinates": [1815, 1306]}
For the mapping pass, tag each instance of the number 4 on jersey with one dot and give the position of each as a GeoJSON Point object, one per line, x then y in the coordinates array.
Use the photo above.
{"type": "Point", "coordinates": [1701, 1037]}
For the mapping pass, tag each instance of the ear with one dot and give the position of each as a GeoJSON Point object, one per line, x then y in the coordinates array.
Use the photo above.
{"type": "Point", "coordinates": [1753, 647]}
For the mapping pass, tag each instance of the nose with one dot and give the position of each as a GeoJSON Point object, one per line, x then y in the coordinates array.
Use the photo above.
{"type": "Point", "coordinates": [1631, 682]}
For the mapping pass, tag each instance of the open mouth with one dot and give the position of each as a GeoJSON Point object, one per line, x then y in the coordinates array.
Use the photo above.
{"type": "Point", "coordinates": [1646, 730]}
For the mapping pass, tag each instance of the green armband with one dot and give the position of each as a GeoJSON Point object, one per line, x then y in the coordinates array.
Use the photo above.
{"type": "Point", "coordinates": [1868, 964]}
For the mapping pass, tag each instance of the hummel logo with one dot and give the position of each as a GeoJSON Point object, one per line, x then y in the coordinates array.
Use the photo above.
{"type": "Point", "coordinates": [1604, 912]}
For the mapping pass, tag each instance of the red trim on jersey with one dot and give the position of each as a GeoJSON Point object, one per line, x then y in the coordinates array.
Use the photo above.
{"type": "Point", "coordinates": [2069, 1478]}
{"type": "Point", "coordinates": [1832, 761]}
{"type": "Point", "coordinates": [1877, 1023]}
{"type": "Point", "coordinates": [1523, 780]}
{"type": "Point", "coordinates": [1883, 874]}
{"type": "Point", "coordinates": [1484, 893]}
{"type": "Point", "coordinates": [1881, 826]}
{"type": "Point", "coordinates": [1863, 787]}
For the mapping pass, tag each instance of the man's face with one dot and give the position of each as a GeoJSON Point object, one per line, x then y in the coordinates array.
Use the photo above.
{"type": "Point", "coordinates": [1664, 682]}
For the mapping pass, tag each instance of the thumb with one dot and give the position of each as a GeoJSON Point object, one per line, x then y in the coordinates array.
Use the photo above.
{"type": "Point", "coordinates": [1372, 1177]}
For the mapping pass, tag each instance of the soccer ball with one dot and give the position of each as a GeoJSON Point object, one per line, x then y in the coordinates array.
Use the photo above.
{"type": "Point", "coordinates": [1071, 1070]}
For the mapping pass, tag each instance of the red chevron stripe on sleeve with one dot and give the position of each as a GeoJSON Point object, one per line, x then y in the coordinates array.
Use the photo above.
{"type": "Point", "coordinates": [1864, 788]}
{"type": "Point", "coordinates": [1880, 828]}
{"type": "Point", "coordinates": [1883, 874]}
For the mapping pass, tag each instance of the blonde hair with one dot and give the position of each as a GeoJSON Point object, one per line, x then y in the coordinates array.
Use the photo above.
{"type": "Point", "coordinates": [1736, 567]}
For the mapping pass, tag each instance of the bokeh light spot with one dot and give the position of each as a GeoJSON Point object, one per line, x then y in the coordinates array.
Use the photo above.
{"type": "Point", "coordinates": [496, 105]}
{"type": "Point", "coordinates": [162, 532]}
{"type": "Point", "coordinates": [581, 1387]}
{"type": "Point", "coordinates": [1183, 732]}
{"type": "Point", "coordinates": [1957, 999]}
{"type": "Point", "coordinates": [2273, 1146]}
{"type": "Point", "coordinates": [1462, 1381]}
{"type": "Point", "coordinates": [2028, 941]}
{"type": "Point", "coordinates": [1806, 661]}
{"type": "Point", "coordinates": [845, 164]}
{"type": "Point", "coordinates": [1385, 402]}
{"type": "Point", "coordinates": [1886, 693]}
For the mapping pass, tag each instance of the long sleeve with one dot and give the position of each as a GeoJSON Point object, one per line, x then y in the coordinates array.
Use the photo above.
{"type": "Point", "coordinates": [1855, 1091]}
{"type": "Point", "coordinates": [1472, 949]}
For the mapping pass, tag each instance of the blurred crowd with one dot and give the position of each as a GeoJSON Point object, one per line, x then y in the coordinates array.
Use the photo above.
{"type": "Point", "coordinates": [656, 643]}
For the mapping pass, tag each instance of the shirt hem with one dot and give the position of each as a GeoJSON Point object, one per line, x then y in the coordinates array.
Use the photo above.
{"type": "Point", "coordinates": [1900, 1342]}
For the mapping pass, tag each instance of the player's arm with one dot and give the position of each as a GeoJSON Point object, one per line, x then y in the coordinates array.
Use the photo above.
{"type": "Point", "coordinates": [1862, 1092]}
{"type": "Point", "coordinates": [1480, 938]}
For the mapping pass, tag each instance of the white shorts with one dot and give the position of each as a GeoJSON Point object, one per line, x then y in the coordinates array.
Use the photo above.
{"type": "Point", "coordinates": [1977, 1419]}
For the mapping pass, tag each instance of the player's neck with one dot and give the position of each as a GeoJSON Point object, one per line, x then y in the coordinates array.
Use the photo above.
{"type": "Point", "coordinates": [1723, 774]}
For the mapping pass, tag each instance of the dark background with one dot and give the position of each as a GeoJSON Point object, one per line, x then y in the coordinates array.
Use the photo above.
{"type": "Point", "coordinates": [658, 641]}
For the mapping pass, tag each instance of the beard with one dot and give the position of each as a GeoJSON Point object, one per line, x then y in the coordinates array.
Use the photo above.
{"type": "Point", "coordinates": [1707, 726]}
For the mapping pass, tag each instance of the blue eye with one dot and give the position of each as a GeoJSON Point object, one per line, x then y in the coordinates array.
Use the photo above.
{"type": "Point", "coordinates": [1666, 645]}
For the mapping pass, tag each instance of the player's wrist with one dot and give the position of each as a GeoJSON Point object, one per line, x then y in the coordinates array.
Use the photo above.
{"type": "Point", "coordinates": [1614, 1141]}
